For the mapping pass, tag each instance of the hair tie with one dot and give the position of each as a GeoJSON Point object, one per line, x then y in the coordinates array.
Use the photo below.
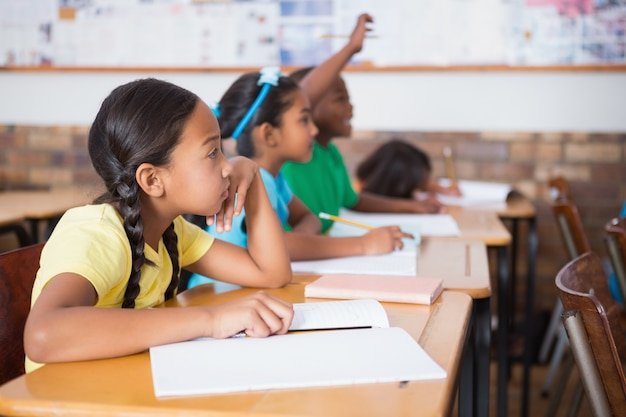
{"type": "Point", "coordinates": [215, 108]}
{"type": "Point", "coordinates": [268, 77]}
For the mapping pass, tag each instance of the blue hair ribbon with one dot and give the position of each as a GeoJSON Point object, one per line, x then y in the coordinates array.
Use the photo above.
{"type": "Point", "coordinates": [215, 108]}
{"type": "Point", "coordinates": [268, 77]}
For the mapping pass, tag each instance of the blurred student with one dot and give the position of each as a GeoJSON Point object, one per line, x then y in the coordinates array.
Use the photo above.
{"type": "Point", "coordinates": [269, 117]}
{"type": "Point", "coordinates": [399, 169]}
{"type": "Point", "coordinates": [157, 148]}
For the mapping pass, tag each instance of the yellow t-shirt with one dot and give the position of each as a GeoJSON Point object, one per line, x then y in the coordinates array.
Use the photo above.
{"type": "Point", "coordinates": [91, 241]}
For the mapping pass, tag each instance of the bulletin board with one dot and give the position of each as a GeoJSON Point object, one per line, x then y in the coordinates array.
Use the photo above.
{"type": "Point", "coordinates": [204, 34]}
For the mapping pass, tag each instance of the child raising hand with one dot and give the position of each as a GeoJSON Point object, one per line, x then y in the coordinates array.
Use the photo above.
{"type": "Point", "coordinates": [323, 183]}
{"type": "Point", "coordinates": [157, 148]}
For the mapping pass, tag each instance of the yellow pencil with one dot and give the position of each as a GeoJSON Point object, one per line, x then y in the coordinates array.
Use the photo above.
{"type": "Point", "coordinates": [447, 153]}
{"type": "Point", "coordinates": [346, 221]}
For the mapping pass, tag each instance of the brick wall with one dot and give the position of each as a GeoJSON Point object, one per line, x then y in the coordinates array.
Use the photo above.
{"type": "Point", "coordinates": [593, 164]}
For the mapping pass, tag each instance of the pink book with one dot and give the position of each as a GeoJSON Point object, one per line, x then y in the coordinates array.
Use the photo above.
{"type": "Point", "coordinates": [391, 288]}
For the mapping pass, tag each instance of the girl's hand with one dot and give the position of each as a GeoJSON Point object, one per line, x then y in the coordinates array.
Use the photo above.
{"type": "Point", "coordinates": [258, 315]}
{"type": "Point", "coordinates": [452, 190]}
{"type": "Point", "coordinates": [383, 240]}
{"type": "Point", "coordinates": [243, 172]}
{"type": "Point", "coordinates": [359, 32]}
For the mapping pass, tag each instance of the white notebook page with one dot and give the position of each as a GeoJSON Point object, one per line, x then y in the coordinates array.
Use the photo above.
{"type": "Point", "coordinates": [299, 360]}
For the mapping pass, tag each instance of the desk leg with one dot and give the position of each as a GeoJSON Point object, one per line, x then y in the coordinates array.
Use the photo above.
{"type": "Point", "coordinates": [503, 330]}
{"type": "Point", "coordinates": [22, 235]}
{"type": "Point", "coordinates": [467, 405]}
{"type": "Point", "coordinates": [482, 348]}
{"type": "Point", "coordinates": [530, 299]}
{"type": "Point", "coordinates": [475, 374]}
{"type": "Point", "coordinates": [34, 230]}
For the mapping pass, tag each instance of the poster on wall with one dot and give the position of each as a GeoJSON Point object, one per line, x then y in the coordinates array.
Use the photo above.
{"type": "Point", "coordinates": [255, 33]}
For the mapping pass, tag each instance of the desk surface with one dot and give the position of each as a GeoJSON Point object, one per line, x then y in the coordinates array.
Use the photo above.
{"type": "Point", "coordinates": [7, 219]}
{"type": "Point", "coordinates": [43, 204]}
{"type": "Point", "coordinates": [481, 224]}
{"type": "Point", "coordinates": [462, 265]}
{"type": "Point", "coordinates": [123, 386]}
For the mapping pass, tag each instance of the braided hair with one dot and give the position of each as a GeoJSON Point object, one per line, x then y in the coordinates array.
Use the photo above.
{"type": "Point", "coordinates": [139, 122]}
{"type": "Point", "coordinates": [239, 97]}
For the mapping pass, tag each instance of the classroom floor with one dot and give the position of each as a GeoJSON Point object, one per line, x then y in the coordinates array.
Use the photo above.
{"type": "Point", "coordinates": [539, 405]}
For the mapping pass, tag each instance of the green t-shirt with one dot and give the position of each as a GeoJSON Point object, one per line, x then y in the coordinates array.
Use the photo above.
{"type": "Point", "coordinates": [323, 183]}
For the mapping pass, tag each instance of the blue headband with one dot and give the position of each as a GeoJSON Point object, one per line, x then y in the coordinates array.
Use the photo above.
{"type": "Point", "coordinates": [268, 77]}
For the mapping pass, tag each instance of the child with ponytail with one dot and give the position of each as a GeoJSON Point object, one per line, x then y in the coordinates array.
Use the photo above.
{"type": "Point", "coordinates": [269, 117]}
{"type": "Point", "coordinates": [157, 148]}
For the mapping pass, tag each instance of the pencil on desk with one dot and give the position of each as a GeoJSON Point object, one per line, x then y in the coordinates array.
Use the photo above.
{"type": "Point", "coordinates": [447, 153]}
{"type": "Point", "coordinates": [327, 216]}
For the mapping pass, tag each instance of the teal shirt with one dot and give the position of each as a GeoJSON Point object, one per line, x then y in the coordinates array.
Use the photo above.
{"type": "Point", "coordinates": [323, 184]}
{"type": "Point", "coordinates": [280, 196]}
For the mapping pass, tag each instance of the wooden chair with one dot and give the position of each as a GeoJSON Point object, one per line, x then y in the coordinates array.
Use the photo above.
{"type": "Point", "coordinates": [17, 275]}
{"type": "Point", "coordinates": [615, 240]}
{"type": "Point", "coordinates": [592, 321]}
{"type": "Point", "coordinates": [576, 243]}
{"type": "Point", "coordinates": [559, 188]}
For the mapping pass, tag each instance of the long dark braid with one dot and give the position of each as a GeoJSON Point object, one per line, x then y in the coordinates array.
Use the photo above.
{"type": "Point", "coordinates": [139, 122]}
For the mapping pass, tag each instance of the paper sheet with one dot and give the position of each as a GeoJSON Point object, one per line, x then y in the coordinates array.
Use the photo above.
{"type": "Point", "coordinates": [309, 359]}
{"type": "Point", "coordinates": [476, 193]}
{"type": "Point", "coordinates": [422, 224]}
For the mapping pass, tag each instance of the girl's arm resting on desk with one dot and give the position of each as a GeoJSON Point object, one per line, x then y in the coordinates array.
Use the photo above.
{"type": "Point", "coordinates": [304, 247]}
{"type": "Point", "coordinates": [303, 220]}
{"type": "Point", "coordinates": [64, 326]}
{"type": "Point", "coordinates": [265, 263]}
{"type": "Point", "coordinates": [380, 204]}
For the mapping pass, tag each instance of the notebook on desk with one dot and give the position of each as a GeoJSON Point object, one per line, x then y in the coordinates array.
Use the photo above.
{"type": "Point", "coordinates": [416, 290]}
{"type": "Point", "coordinates": [402, 262]}
{"type": "Point", "coordinates": [418, 224]}
{"type": "Point", "coordinates": [296, 360]}
{"type": "Point", "coordinates": [477, 193]}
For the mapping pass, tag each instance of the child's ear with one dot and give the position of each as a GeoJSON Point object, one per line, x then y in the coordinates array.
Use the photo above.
{"type": "Point", "coordinates": [269, 134]}
{"type": "Point", "coordinates": [149, 179]}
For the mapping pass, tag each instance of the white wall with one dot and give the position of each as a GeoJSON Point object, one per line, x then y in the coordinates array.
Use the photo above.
{"type": "Point", "coordinates": [423, 101]}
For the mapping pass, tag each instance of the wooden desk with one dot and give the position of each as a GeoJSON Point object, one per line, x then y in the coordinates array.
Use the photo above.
{"type": "Point", "coordinates": [12, 223]}
{"type": "Point", "coordinates": [463, 266]}
{"type": "Point", "coordinates": [519, 209]}
{"type": "Point", "coordinates": [123, 386]}
{"type": "Point", "coordinates": [42, 205]}
{"type": "Point", "coordinates": [485, 225]}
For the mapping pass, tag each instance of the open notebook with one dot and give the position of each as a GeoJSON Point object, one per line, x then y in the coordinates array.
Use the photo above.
{"type": "Point", "coordinates": [296, 360]}
{"type": "Point", "coordinates": [402, 262]}
{"type": "Point", "coordinates": [477, 193]}
{"type": "Point", "coordinates": [417, 224]}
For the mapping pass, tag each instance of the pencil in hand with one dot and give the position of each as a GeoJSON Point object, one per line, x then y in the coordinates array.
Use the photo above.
{"type": "Point", "coordinates": [327, 216]}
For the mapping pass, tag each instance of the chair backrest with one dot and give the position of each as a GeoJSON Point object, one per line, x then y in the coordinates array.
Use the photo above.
{"type": "Point", "coordinates": [615, 240]}
{"type": "Point", "coordinates": [584, 291]}
{"type": "Point", "coordinates": [559, 188]}
{"type": "Point", "coordinates": [570, 227]}
{"type": "Point", "coordinates": [18, 269]}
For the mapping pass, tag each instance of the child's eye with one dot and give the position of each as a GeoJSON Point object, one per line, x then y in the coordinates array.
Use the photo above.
{"type": "Point", "coordinates": [304, 120]}
{"type": "Point", "coordinates": [213, 153]}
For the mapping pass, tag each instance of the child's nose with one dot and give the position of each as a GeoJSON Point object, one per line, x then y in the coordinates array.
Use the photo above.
{"type": "Point", "coordinates": [227, 168]}
{"type": "Point", "coordinates": [314, 130]}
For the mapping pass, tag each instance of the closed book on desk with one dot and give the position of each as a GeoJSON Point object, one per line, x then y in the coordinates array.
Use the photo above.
{"type": "Point", "coordinates": [390, 288]}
